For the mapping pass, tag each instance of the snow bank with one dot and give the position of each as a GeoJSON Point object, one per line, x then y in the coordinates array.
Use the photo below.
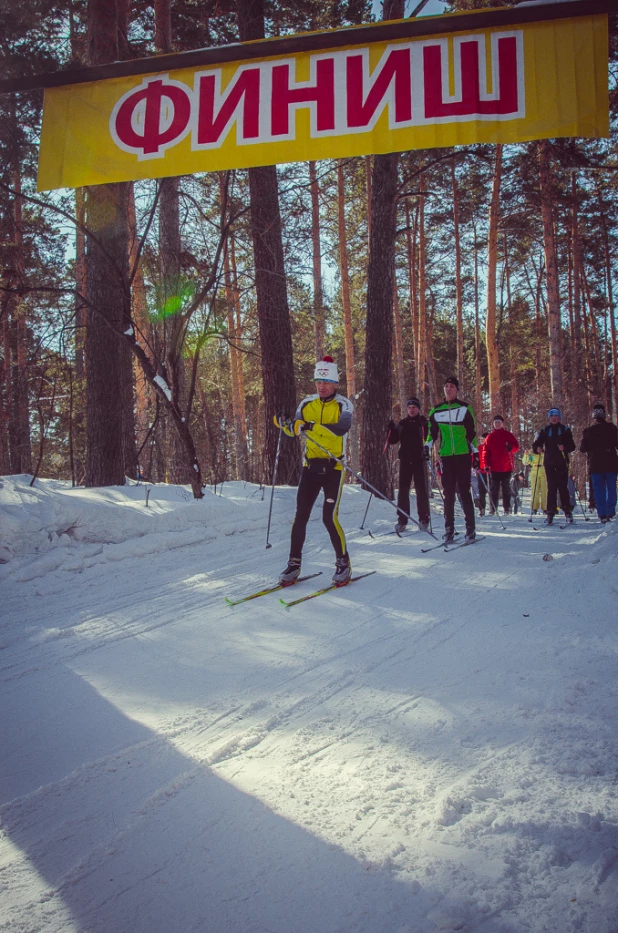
{"type": "Point", "coordinates": [49, 520]}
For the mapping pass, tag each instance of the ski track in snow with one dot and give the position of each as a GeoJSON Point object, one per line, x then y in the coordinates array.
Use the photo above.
{"type": "Point", "coordinates": [430, 749]}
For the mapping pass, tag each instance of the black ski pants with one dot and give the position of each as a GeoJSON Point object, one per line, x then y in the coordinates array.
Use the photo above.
{"type": "Point", "coordinates": [558, 482]}
{"type": "Point", "coordinates": [407, 472]}
{"type": "Point", "coordinates": [501, 482]}
{"type": "Point", "coordinates": [308, 490]}
{"type": "Point", "coordinates": [456, 477]}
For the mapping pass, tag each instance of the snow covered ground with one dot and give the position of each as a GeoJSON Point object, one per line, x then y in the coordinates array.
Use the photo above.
{"type": "Point", "coordinates": [430, 749]}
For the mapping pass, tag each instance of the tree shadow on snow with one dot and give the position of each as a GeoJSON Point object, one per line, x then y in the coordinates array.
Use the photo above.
{"type": "Point", "coordinates": [131, 836]}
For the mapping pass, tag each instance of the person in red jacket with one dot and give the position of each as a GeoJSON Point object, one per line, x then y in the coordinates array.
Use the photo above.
{"type": "Point", "coordinates": [500, 448]}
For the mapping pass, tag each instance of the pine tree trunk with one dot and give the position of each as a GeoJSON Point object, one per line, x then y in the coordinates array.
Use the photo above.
{"type": "Point", "coordinates": [477, 337]}
{"type": "Point", "coordinates": [106, 318]}
{"type": "Point", "coordinates": [21, 453]}
{"type": "Point", "coordinates": [458, 280]}
{"type": "Point", "coordinates": [379, 330]}
{"type": "Point", "coordinates": [108, 366]}
{"type": "Point", "coordinates": [411, 242]}
{"type": "Point", "coordinates": [551, 266]}
{"type": "Point", "coordinates": [271, 288]}
{"type": "Point", "coordinates": [491, 338]}
{"type": "Point", "coordinates": [380, 284]}
{"type": "Point", "coordinates": [576, 336]}
{"type": "Point", "coordinates": [240, 356]}
{"type": "Point", "coordinates": [348, 331]}
{"type": "Point", "coordinates": [144, 396]}
{"type": "Point", "coordinates": [318, 293]}
{"type": "Point", "coordinates": [80, 282]}
{"type": "Point", "coordinates": [421, 364]}
{"type": "Point", "coordinates": [401, 375]}
{"type": "Point", "coordinates": [178, 470]}
{"type": "Point", "coordinates": [235, 356]}
{"type": "Point", "coordinates": [610, 313]}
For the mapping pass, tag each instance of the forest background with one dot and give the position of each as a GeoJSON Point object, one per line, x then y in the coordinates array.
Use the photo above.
{"type": "Point", "coordinates": [151, 330]}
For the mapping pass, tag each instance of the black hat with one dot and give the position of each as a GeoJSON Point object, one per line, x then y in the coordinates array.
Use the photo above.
{"type": "Point", "coordinates": [413, 401]}
{"type": "Point", "coordinates": [498, 418]}
{"type": "Point", "coordinates": [599, 411]}
{"type": "Point", "coordinates": [453, 381]}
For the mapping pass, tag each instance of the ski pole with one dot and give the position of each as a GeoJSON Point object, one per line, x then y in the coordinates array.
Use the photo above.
{"type": "Point", "coordinates": [375, 491]}
{"type": "Point", "coordinates": [426, 475]}
{"type": "Point", "coordinates": [388, 437]}
{"type": "Point", "coordinates": [272, 492]}
{"type": "Point", "coordinates": [366, 510]}
{"type": "Point", "coordinates": [491, 501]}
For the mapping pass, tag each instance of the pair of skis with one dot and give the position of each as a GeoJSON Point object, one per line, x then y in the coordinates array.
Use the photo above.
{"type": "Point", "coordinates": [454, 546]}
{"type": "Point", "coordinates": [294, 602]}
{"type": "Point", "coordinates": [400, 534]}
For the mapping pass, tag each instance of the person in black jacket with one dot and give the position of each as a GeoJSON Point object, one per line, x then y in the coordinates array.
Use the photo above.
{"type": "Point", "coordinates": [411, 433]}
{"type": "Point", "coordinates": [600, 442]}
{"type": "Point", "coordinates": [556, 440]}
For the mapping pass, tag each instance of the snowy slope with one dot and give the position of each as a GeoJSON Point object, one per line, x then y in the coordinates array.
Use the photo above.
{"type": "Point", "coordinates": [430, 749]}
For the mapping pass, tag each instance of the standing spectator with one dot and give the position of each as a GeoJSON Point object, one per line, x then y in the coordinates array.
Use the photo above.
{"type": "Point", "coordinates": [518, 482]}
{"type": "Point", "coordinates": [538, 481]}
{"type": "Point", "coordinates": [500, 448]}
{"type": "Point", "coordinates": [452, 429]}
{"type": "Point", "coordinates": [411, 433]}
{"type": "Point", "coordinates": [600, 442]}
{"type": "Point", "coordinates": [556, 440]}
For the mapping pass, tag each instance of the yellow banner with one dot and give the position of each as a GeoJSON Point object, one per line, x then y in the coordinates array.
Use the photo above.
{"type": "Point", "coordinates": [534, 81]}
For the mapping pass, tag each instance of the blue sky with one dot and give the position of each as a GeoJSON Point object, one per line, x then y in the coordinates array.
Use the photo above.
{"type": "Point", "coordinates": [432, 8]}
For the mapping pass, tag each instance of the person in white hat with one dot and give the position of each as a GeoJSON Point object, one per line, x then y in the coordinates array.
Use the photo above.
{"type": "Point", "coordinates": [325, 417]}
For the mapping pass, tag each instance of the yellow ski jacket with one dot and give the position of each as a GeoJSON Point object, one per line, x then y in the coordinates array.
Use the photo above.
{"type": "Point", "coordinates": [332, 418]}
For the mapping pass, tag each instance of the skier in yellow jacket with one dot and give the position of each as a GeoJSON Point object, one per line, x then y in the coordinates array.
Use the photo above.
{"type": "Point", "coordinates": [537, 480]}
{"type": "Point", "coordinates": [325, 417]}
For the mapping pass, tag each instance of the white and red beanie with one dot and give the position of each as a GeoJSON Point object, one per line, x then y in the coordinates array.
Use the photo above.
{"type": "Point", "coordinates": [326, 370]}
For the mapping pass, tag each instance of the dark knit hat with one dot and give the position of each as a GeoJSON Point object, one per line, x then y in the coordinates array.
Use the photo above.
{"type": "Point", "coordinates": [498, 418]}
{"type": "Point", "coordinates": [413, 401]}
{"type": "Point", "coordinates": [453, 380]}
{"type": "Point", "coordinates": [599, 411]}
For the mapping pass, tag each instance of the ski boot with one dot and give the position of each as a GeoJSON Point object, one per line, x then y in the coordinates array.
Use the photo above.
{"type": "Point", "coordinates": [343, 571]}
{"type": "Point", "coordinates": [549, 520]}
{"type": "Point", "coordinates": [470, 537]}
{"type": "Point", "coordinates": [400, 526]}
{"type": "Point", "coordinates": [568, 518]}
{"type": "Point", "coordinates": [448, 536]}
{"type": "Point", "coordinates": [424, 526]}
{"type": "Point", "coordinates": [291, 572]}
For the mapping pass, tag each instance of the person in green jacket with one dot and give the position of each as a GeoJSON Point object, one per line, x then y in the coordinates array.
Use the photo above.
{"type": "Point", "coordinates": [453, 434]}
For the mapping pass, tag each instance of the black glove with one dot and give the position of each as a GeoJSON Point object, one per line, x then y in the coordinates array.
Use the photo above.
{"type": "Point", "coordinates": [426, 452]}
{"type": "Point", "coordinates": [391, 426]}
{"type": "Point", "coordinates": [509, 447]}
{"type": "Point", "coordinates": [308, 425]}
{"type": "Point", "coordinates": [476, 462]}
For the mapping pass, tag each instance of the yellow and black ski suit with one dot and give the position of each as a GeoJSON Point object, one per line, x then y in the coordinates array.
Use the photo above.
{"type": "Point", "coordinates": [332, 419]}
